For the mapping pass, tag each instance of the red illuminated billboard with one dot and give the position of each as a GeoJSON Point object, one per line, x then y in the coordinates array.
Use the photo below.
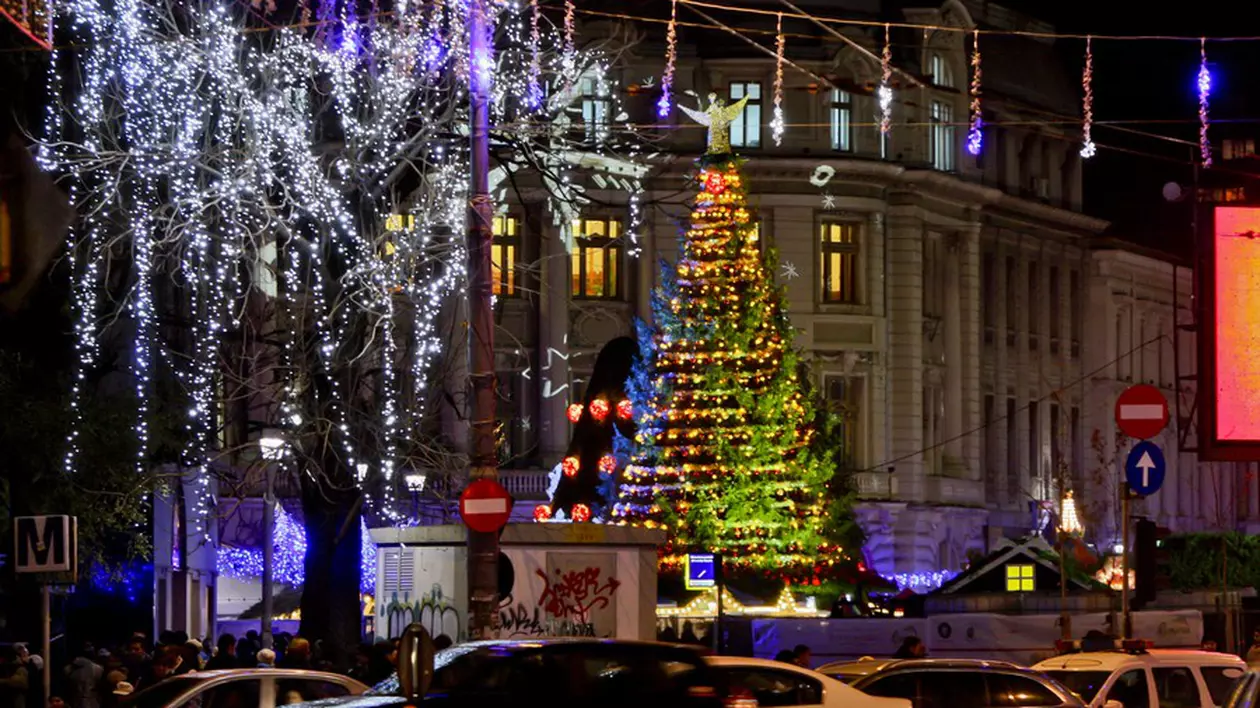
{"type": "Point", "coordinates": [1229, 362]}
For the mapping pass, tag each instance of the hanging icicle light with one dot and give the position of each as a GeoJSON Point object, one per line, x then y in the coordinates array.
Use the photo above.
{"type": "Point", "coordinates": [975, 134]}
{"type": "Point", "coordinates": [569, 48]}
{"type": "Point", "coordinates": [1205, 90]}
{"type": "Point", "coordinates": [885, 84]}
{"type": "Point", "coordinates": [1069, 520]}
{"type": "Point", "coordinates": [776, 123]}
{"type": "Point", "coordinates": [671, 56]}
{"type": "Point", "coordinates": [1088, 149]}
{"type": "Point", "coordinates": [535, 55]}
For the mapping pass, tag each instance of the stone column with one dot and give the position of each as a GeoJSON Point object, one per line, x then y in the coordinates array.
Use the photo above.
{"type": "Point", "coordinates": [972, 347]}
{"type": "Point", "coordinates": [904, 235]}
{"type": "Point", "coordinates": [553, 328]}
{"type": "Point", "coordinates": [954, 409]}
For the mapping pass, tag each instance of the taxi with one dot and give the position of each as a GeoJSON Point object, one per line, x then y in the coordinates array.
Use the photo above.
{"type": "Point", "coordinates": [1136, 675]}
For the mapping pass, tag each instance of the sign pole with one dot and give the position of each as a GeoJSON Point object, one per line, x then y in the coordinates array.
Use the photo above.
{"type": "Point", "coordinates": [45, 640]}
{"type": "Point", "coordinates": [1126, 625]}
{"type": "Point", "coordinates": [719, 583]}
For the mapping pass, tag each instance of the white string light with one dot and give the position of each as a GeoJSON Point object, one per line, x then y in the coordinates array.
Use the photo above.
{"type": "Point", "coordinates": [776, 123]}
{"type": "Point", "coordinates": [663, 106]}
{"type": "Point", "coordinates": [1205, 90]}
{"type": "Point", "coordinates": [885, 92]}
{"type": "Point", "coordinates": [1088, 149]}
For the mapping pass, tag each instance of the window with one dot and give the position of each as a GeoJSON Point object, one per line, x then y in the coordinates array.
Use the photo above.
{"type": "Point", "coordinates": [746, 128]}
{"type": "Point", "coordinates": [1034, 275]}
{"type": "Point", "coordinates": [1238, 149]}
{"type": "Point", "coordinates": [505, 248]}
{"type": "Point", "coordinates": [304, 690]}
{"type": "Point", "coordinates": [6, 244]}
{"type": "Point", "coordinates": [902, 685]}
{"type": "Point", "coordinates": [840, 251]}
{"type": "Point", "coordinates": [1175, 687]}
{"type": "Point", "coordinates": [1012, 451]}
{"type": "Point", "coordinates": [1085, 684]}
{"type": "Point", "coordinates": [1020, 578]}
{"type": "Point", "coordinates": [989, 464]}
{"type": "Point", "coordinates": [953, 688]}
{"type": "Point", "coordinates": [1074, 307]}
{"type": "Point", "coordinates": [988, 295]}
{"type": "Point", "coordinates": [1220, 681]}
{"type": "Point", "coordinates": [942, 136]}
{"type": "Point", "coordinates": [841, 120]}
{"type": "Point", "coordinates": [773, 688]}
{"type": "Point", "coordinates": [596, 105]}
{"type": "Point", "coordinates": [595, 258]}
{"type": "Point", "coordinates": [844, 399]}
{"type": "Point", "coordinates": [1021, 691]}
{"type": "Point", "coordinates": [1131, 690]}
{"type": "Point", "coordinates": [942, 75]}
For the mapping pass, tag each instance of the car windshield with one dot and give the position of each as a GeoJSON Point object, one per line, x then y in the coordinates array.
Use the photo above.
{"type": "Point", "coordinates": [1085, 684]}
{"type": "Point", "coordinates": [161, 694]}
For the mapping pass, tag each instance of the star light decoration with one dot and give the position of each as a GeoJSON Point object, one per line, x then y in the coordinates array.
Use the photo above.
{"type": "Point", "coordinates": [232, 193]}
{"type": "Point", "coordinates": [788, 270]}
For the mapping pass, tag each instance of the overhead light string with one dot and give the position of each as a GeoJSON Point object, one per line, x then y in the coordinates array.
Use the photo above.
{"type": "Point", "coordinates": [1205, 90]}
{"type": "Point", "coordinates": [776, 123]}
{"type": "Point", "coordinates": [885, 84]}
{"type": "Point", "coordinates": [1088, 149]}
{"type": "Point", "coordinates": [671, 56]}
{"type": "Point", "coordinates": [975, 134]}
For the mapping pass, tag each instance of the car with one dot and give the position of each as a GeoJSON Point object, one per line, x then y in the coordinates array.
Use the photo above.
{"type": "Point", "coordinates": [1246, 693]}
{"type": "Point", "coordinates": [608, 673]}
{"type": "Point", "coordinates": [1147, 678]}
{"type": "Point", "coordinates": [233, 688]}
{"type": "Point", "coordinates": [850, 671]}
{"type": "Point", "coordinates": [774, 683]}
{"type": "Point", "coordinates": [955, 683]}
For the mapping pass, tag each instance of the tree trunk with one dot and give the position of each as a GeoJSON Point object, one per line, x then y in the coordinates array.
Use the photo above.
{"type": "Point", "coordinates": [331, 610]}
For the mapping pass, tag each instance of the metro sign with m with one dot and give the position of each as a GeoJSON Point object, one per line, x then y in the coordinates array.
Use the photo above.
{"type": "Point", "coordinates": [45, 544]}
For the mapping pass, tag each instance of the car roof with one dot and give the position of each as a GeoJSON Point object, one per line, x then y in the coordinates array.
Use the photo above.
{"type": "Point", "coordinates": [528, 644]}
{"type": "Point", "coordinates": [1112, 660]}
{"type": "Point", "coordinates": [752, 661]}
{"type": "Point", "coordinates": [869, 666]}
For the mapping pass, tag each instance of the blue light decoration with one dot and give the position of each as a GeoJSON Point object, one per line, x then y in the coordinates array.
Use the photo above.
{"type": "Point", "coordinates": [127, 582]}
{"type": "Point", "coordinates": [975, 133]}
{"type": "Point", "coordinates": [923, 580]}
{"type": "Point", "coordinates": [1205, 90]}
{"type": "Point", "coordinates": [289, 556]}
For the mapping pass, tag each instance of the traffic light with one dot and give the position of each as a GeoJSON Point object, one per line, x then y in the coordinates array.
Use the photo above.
{"type": "Point", "coordinates": [1150, 561]}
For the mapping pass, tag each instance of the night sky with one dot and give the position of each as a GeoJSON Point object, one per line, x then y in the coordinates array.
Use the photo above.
{"type": "Point", "coordinates": [1151, 86]}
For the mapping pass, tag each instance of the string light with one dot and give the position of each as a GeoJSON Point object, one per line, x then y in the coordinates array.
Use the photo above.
{"type": "Point", "coordinates": [535, 55]}
{"type": "Point", "coordinates": [975, 134]}
{"type": "Point", "coordinates": [776, 123]}
{"type": "Point", "coordinates": [1088, 149]}
{"type": "Point", "coordinates": [569, 47]}
{"type": "Point", "coordinates": [1205, 90]}
{"type": "Point", "coordinates": [885, 92]}
{"type": "Point", "coordinates": [288, 564]}
{"type": "Point", "coordinates": [671, 56]}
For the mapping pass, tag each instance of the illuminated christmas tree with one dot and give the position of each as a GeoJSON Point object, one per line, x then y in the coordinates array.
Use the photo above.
{"type": "Point", "coordinates": [723, 456]}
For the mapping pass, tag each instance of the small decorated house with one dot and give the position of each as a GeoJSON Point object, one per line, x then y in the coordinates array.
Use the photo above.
{"type": "Point", "coordinates": [1023, 577]}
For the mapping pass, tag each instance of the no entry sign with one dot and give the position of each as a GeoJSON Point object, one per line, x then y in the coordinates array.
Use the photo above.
{"type": "Point", "coordinates": [485, 506]}
{"type": "Point", "coordinates": [1141, 411]}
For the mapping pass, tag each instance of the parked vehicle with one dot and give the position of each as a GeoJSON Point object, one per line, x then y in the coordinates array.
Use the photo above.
{"type": "Point", "coordinates": [264, 688]}
{"type": "Point", "coordinates": [1136, 677]}
{"type": "Point", "coordinates": [850, 671]}
{"type": "Point", "coordinates": [774, 683]}
{"type": "Point", "coordinates": [955, 683]}
{"type": "Point", "coordinates": [1246, 692]}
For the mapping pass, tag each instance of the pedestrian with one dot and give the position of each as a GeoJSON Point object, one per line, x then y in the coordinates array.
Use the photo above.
{"type": "Point", "coordinates": [266, 659]}
{"type": "Point", "coordinates": [804, 656]}
{"type": "Point", "coordinates": [298, 655]}
{"type": "Point", "coordinates": [442, 642]}
{"type": "Point", "coordinates": [1253, 653]}
{"type": "Point", "coordinates": [14, 679]}
{"type": "Point", "coordinates": [56, 702]}
{"type": "Point", "coordinates": [34, 664]}
{"type": "Point", "coordinates": [225, 656]}
{"type": "Point", "coordinates": [362, 660]}
{"type": "Point", "coordinates": [82, 677]}
{"type": "Point", "coordinates": [164, 667]}
{"type": "Point", "coordinates": [911, 648]}
{"type": "Point", "coordinates": [383, 662]}
{"type": "Point", "coordinates": [786, 656]}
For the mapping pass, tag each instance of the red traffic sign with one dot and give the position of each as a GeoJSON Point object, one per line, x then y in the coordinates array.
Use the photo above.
{"type": "Point", "coordinates": [1141, 411]}
{"type": "Point", "coordinates": [485, 506]}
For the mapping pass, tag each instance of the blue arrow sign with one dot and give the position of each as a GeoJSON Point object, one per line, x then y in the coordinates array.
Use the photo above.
{"type": "Point", "coordinates": [1145, 468]}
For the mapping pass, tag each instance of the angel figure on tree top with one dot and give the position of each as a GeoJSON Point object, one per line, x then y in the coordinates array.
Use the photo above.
{"type": "Point", "coordinates": [718, 117]}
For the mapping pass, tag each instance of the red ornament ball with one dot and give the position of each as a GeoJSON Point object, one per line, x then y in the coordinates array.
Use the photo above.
{"type": "Point", "coordinates": [581, 513]}
{"type": "Point", "coordinates": [625, 409]}
{"type": "Point", "coordinates": [542, 512]}
{"type": "Point", "coordinates": [599, 410]}
{"type": "Point", "coordinates": [607, 463]}
{"type": "Point", "coordinates": [569, 466]}
{"type": "Point", "coordinates": [714, 182]}
{"type": "Point", "coordinates": [575, 412]}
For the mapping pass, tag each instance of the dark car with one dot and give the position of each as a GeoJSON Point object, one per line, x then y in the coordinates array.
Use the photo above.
{"type": "Point", "coordinates": [563, 672]}
{"type": "Point", "coordinates": [954, 683]}
{"type": "Point", "coordinates": [1246, 693]}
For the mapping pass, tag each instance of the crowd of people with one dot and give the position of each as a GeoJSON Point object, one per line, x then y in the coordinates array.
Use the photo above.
{"type": "Point", "coordinates": [102, 677]}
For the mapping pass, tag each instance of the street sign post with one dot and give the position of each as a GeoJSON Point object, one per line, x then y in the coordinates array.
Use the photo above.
{"type": "Point", "coordinates": [1141, 411]}
{"type": "Point", "coordinates": [48, 545]}
{"type": "Point", "coordinates": [485, 506]}
{"type": "Point", "coordinates": [1145, 467]}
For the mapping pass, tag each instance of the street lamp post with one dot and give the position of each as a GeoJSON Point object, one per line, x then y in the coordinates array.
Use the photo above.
{"type": "Point", "coordinates": [271, 446]}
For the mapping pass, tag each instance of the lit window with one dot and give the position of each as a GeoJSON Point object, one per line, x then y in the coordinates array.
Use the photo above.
{"type": "Point", "coordinates": [505, 247]}
{"type": "Point", "coordinates": [596, 106]}
{"type": "Point", "coordinates": [1238, 149]}
{"type": "Point", "coordinates": [841, 120]}
{"type": "Point", "coordinates": [6, 244]}
{"type": "Point", "coordinates": [1020, 578]}
{"type": "Point", "coordinates": [840, 249]}
{"type": "Point", "coordinates": [942, 136]}
{"type": "Point", "coordinates": [746, 128]}
{"type": "Point", "coordinates": [941, 73]}
{"type": "Point", "coordinates": [595, 258]}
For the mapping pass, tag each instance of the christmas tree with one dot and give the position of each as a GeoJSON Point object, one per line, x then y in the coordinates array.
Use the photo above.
{"type": "Point", "coordinates": [723, 457]}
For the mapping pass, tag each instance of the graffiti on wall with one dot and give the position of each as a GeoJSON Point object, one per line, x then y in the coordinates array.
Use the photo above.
{"type": "Point", "coordinates": [433, 610]}
{"type": "Point", "coordinates": [522, 621]}
{"type": "Point", "coordinates": [574, 595]}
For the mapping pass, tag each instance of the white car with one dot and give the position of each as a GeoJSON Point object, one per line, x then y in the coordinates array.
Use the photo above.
{"type": "Point", "coordinates": [774, 683]}
{"type": "Point", "coordinates": [243, 688]}
{"type": "Point", "coordinates": [1156, 678]}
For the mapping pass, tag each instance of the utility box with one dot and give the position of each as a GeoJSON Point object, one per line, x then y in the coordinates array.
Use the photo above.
{"type": "Point", "coordinates": [556, 580]}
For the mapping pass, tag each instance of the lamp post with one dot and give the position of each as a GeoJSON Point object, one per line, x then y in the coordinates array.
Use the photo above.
{"type": "Point", "coordinates": [271, 447]}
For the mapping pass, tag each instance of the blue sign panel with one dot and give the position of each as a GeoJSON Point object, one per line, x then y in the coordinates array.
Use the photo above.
{"type": "Point", "coordinates": [1145, 468]}
{"type": "Point", "coordinates": [701, 571]}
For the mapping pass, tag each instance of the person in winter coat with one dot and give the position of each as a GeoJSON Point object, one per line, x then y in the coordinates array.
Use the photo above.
{"type": "Point", "coordinates": [82, 677]}
{"type": "Point", "coordinates": [14, 679]}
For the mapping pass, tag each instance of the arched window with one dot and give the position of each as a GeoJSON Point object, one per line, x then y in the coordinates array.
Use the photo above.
{"type": "Point", "coordinates": [942, 75]}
